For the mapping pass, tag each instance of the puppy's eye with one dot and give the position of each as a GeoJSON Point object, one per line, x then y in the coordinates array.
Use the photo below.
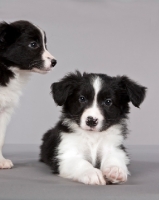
{"type": "Point", "coordinates": [33, 45]}
{"type": "Point", "coordinates": [108, 102]}
{"type": "Point", "coordinates": [82, 99]}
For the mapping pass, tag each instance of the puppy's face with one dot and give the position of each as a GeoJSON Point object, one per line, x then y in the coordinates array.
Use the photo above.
{"type": "Point", "coordinates": [96, 101]}
{"type": "Point", "coordinates": [23, 45]}
{"type": "Point", "coordinates": [100, 108]}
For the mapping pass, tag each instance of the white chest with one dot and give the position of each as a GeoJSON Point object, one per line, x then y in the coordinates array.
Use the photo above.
{"type": "Point", "coordinates": [9, 95]}
{"type": "Point", "coordinates": [90, 145]}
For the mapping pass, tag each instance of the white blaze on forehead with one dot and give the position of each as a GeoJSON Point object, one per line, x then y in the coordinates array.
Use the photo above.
{"type": "Point", "coordinates": [97, 86]}
{"type": "Point", "coordinates": [43, 38]}
{"type": "Point", "coordinates": [94, 110]}
{"type": "Point", "coordinates": [42, 35]}
{"type": "Point", "coordinates": [46, 56]}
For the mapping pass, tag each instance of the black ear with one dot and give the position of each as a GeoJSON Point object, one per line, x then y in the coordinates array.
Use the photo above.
{"type": "Point", "coordinates": [60, 91]}
{"type": "Point", "coordinates": [8, 34]}
{"type": "Point", "coordinates": [136, 93]}
{"type": "Point", "coordinates": [63, 89]}
{"type": "Point", "coordinates": [3, 29]}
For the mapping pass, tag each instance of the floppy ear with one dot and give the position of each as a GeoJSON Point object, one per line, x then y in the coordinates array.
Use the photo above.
{"type": "Point", "coordinates": [136, 93]}
{"type": "Point", "coordinates": [3, 28]}
{"type": "Point", "coordinates": [60, 91]}
{"type": "Point", "coordinates": [8, 34]}
{"type": "Point", "coordinates": [63, 89]}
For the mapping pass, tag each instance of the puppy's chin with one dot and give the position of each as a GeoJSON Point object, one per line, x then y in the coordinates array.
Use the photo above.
{"type": "Point", "coordinates": [91, 129]}
{"type": "Point", "coordinates": [42, 70]}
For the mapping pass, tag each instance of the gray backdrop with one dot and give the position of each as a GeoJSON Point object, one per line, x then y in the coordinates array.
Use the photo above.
{"type": "Point", "coordinates": [115, 37]}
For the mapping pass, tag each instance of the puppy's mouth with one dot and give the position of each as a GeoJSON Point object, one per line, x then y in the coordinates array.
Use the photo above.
{"type": "Point", "coordinates": [41, 70]}
{"type": "Point", "coordinates": [38, 67]}
{"type": "Point", "coordinates": [91, 129]}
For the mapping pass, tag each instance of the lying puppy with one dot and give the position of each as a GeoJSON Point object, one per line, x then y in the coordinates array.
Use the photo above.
{"type": "Point", "coordinates": [22, 50]}
{"type": "Point", "coordinates": [86, 145]}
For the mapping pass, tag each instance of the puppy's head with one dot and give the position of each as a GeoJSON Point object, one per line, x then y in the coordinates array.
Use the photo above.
{"type": "Point", "coordinates": [96, 101]}
{"type": "Point", "coordinates": [23, 45]}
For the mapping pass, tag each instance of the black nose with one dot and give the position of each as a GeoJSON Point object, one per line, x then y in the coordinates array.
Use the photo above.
{"type": "Point", "coordinates": [53, 62]}
{"type": "Point", "coordinates": [92, 122]}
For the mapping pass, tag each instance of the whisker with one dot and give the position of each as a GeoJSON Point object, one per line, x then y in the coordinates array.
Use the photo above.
{"type": "Point", "coordinates": [36, 63]}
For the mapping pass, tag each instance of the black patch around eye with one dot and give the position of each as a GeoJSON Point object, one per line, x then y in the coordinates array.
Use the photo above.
{"type": "Point", "coordinates": [82, 99]}
{"type": "Point", "coordinates": [108, 102]}
{"type": "Point", "coordinates": [33, 45]}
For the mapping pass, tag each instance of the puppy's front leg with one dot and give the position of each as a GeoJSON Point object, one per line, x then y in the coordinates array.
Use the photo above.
{"type": "Point", "coordinates": [4, 119]}
{"type": "Point", "coordinates": [81, 170]}
{"type": "Point", "coordinates": [114, 166]}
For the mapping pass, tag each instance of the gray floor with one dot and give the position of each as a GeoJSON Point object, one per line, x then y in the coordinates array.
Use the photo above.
{"type": "Point", "coordinates": [30, 179]}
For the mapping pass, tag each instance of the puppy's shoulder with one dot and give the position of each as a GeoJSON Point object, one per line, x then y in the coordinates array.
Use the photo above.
{"type": "Point", "coordinates": [5, 75]}
{"type": "Point", "coordinates": [56, 131]}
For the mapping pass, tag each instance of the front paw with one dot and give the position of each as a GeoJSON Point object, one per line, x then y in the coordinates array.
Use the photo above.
{"type": "Point", "coordinates": [5, 163]}
{"type": "Point", "coordinates": [115, 174]}
{"type": "Point", "coordinates": [92, 177]}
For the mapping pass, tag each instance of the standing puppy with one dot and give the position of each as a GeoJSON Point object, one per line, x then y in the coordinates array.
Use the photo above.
{"type": "Point", "coordinates": [86, 145]}
{"type": "Point", "coordinates": [22, 51]}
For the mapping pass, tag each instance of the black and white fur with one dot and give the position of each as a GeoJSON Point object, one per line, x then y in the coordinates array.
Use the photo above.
{"type": "Point", "coordinates": [22, 51]}
{"type": "Point", "coordinates": [86, 145]}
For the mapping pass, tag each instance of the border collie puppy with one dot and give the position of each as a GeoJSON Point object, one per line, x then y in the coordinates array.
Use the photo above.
{"type": "Point", "coordinates": [86, 145]}
{"type": "Point", "coordinates": [22, 50]}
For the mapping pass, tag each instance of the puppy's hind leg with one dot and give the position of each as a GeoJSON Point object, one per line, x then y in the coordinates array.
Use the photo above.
{"type": "Point", "coordinates": [4, 120]}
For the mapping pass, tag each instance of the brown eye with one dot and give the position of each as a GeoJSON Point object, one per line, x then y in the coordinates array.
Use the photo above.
{"type": "Point", "coordinates": [33, 45]}
{"type": "Point", "coordinates": [108, 102]}
{"type": "Point", "coordinates": [82, 99]}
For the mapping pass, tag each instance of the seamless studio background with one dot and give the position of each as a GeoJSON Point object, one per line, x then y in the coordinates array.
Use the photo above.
{"type": "Point", "coordinates": [115, 37]}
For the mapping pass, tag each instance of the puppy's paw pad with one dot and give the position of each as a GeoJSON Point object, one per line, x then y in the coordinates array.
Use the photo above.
{"type": "Point", "coordinates": [5, 164]}
{"type": "Point", "coordinates": [115, 174]}
{"type": "Point", "coordinates": [92, 177]}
